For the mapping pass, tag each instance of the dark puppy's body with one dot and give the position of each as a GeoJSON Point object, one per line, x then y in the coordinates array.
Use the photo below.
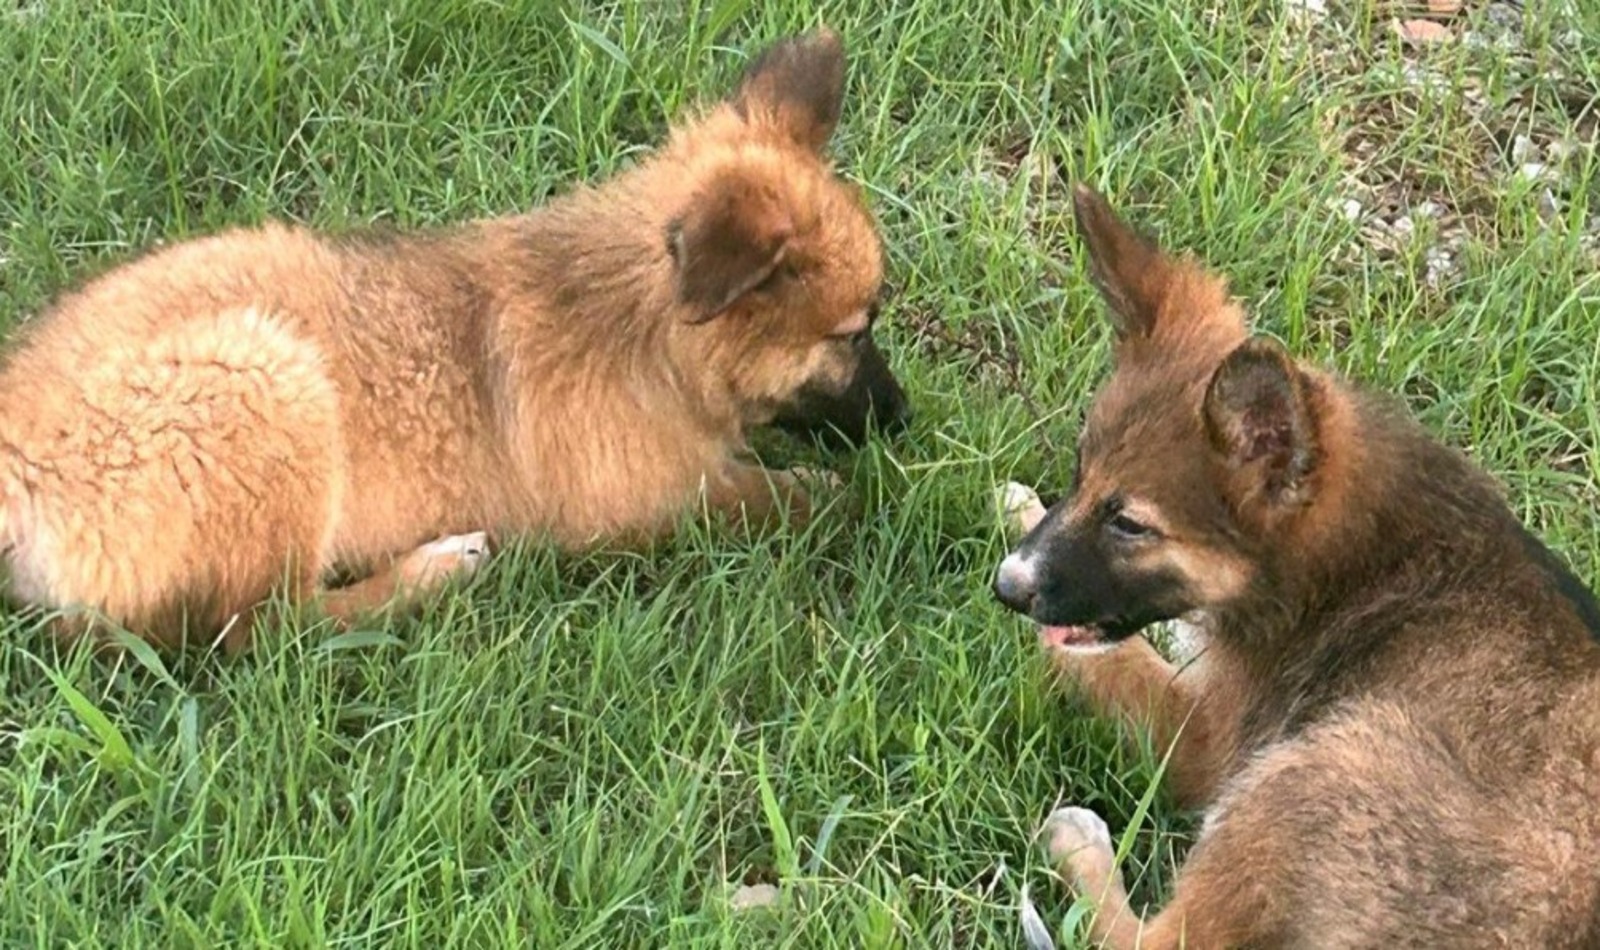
{"type": "Point", "coordinates": [1395, 724]}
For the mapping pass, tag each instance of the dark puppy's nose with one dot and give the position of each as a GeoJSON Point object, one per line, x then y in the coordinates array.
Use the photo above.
{"type": "Point", "coordinates": [1015, 584]}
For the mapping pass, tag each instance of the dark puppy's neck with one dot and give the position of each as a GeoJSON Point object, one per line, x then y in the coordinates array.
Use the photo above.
{"type": "Point", "coordinates": [1417, 525]}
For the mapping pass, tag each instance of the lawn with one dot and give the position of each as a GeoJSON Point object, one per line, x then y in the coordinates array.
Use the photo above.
{"type": "Point", "coordinates": [595, 752]}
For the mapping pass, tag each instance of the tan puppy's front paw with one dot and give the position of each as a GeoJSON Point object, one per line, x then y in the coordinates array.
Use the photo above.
{"type": "Point", "coordinates": [456, 556]}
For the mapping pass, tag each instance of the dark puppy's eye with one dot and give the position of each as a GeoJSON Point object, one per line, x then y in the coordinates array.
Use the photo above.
{"type": "Point", "coordinates": [1128, 529]}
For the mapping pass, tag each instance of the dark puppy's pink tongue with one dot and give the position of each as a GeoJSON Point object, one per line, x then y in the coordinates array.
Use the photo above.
{"type": "Point", "coordinates": [1068, 636]}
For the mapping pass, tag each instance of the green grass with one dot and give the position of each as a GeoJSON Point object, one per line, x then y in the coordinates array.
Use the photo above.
{"type": "Point", "coordinates": [590, 752]}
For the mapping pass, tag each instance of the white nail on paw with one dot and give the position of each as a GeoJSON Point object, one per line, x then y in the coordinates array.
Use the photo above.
{"type": "Point", "coordinates": [1071, 830]}
{"type": "Point", "coordinates": [1020, 505]}
{"type": "Point", "coordinates": [459, 555]}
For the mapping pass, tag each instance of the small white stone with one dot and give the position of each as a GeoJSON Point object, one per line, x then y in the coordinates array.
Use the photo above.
{"type": "Point", "coordinates": [1441, 265]}
{"type": "Point", "coordinates": [1549, 205]}
{"type": "Point", "coordinates": [1505, 15]}
{"type": "Point", "coordinates": [1352, 209]}
{"type": "Point", "coordinates": [1188, 637]}
{"type": "Point", "coordinates": [752, 896]}
{"type": "Point", "coordinates": [1306, 11]}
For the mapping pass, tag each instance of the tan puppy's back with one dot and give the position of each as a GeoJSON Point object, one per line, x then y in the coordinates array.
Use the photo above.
{"type": "Point", "coordinates": [246, 409]}
{"type": "Point", "coordinates": [163, 413]}
{"type": "Point", "coordinates": [259, 407]}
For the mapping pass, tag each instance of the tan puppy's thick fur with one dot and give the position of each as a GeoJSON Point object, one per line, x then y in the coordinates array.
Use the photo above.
{"type": "Point", "coordinates": [229, 415]}
{"type": "Point", "coordinates": [1394, 726]}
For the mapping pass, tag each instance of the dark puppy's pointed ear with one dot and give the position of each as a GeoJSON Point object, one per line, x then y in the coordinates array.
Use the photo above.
{"type": "Point", "coordinates": [1259, 413]}
{"type": "Point", "coordinates": [1129, 270]}
{"type": "Point", "coordinates": [797, 84]}
{"type": "Point", "coordinates": [730, 239]}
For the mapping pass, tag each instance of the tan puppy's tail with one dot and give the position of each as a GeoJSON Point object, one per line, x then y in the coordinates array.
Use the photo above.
{"type": "Point", "coordinates": [10, 504]}
{"type": "Point", "coordinates": [13, 490]}
{"type": "Point", "coordinates": [20, 582]}
{"type": "Point", "coordinates": [9, 492]}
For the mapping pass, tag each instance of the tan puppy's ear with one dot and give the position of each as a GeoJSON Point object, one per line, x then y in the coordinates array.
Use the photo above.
{"type": "Point", "coordinates": [796, 86]}
{"type": "Point", "coordinates": [730, 240]}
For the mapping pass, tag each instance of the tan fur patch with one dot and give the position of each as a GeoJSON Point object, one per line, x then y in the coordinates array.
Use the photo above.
{"type": "Point", "coordinates": [185, 434]}
{"type": "Point", "coordinates": [1213, 575]}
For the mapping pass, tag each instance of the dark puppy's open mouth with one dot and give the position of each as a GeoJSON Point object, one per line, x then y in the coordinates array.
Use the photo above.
{"type": "Point", "coordinates": [1088, 635]}
{"type": "Point", "coordinates": [1072, 636]}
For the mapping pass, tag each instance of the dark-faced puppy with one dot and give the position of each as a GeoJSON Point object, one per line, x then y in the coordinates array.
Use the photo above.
{"type": "Point", "coordinates": [1394, 726]}
{"type": "Point", "coordinates": [1142, 535]}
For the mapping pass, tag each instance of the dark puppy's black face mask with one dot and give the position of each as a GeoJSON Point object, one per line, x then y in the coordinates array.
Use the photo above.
{"type": "Point", "coordinates": [1080, 580]}
{"type": "Point", "coordinates": [872, 399]}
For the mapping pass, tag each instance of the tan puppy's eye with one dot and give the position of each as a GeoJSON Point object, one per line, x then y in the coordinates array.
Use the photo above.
{"type": "Point", "coordinates": [784, 271]}
{"type": "Point", "coordinates": [859, 330]}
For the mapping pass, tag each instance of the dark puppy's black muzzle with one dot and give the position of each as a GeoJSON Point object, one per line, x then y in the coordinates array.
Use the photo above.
{"type": "Point", "coordinates": [1017, 596]}
{"type": "Point", "coordinates": [1073, 580]}
{"type": "Point", "coordinates": [841, 420]}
